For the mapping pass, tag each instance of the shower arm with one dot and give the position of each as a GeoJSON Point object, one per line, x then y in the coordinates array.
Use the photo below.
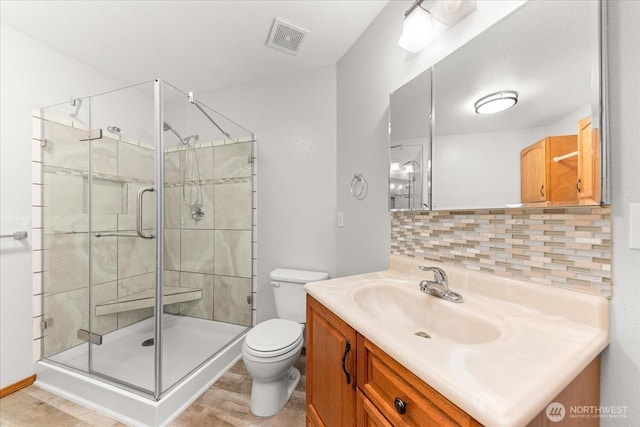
{"type": "Point", "coordinates": [194, 102]}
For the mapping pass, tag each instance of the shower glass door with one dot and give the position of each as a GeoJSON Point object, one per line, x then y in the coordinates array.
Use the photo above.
{"type": "Point", "coordinates": [122, 234]}
{"type": "Point", "coordinates": [98, 272]}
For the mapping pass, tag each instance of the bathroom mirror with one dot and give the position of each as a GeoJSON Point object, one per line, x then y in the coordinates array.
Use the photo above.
{"type": "Point", "coordinates": [410, 144]}
{"type": "Point", "coordinates": [549, 54]}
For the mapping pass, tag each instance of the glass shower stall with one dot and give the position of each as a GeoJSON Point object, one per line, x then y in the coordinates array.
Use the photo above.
{"type": "Point", "coordinates": [148, 236]}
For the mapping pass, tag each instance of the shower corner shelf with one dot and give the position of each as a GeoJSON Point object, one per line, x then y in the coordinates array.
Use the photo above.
{"type": "Point", "coordinates": [146, 298]}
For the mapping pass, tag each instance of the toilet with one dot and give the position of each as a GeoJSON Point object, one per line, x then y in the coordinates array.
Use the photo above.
{"type": "Point", "coordinates": [272, 347]}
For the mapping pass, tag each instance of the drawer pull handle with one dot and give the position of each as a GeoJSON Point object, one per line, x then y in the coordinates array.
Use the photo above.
{"type": "Point", "coordinates": [347, 349]}
{"type": "Point", "coordinates": [400, 405]}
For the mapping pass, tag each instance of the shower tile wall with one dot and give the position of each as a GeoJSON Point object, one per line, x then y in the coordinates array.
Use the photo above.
{"type": "Point", "coordinates": [121, 266]}
{"type": "Point", "coordinates": [563, 247]}
{"type": "Point", "coordinates": [215, 254]}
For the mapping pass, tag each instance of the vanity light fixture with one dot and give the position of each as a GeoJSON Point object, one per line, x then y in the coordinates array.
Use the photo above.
{"type": "Point", "coordinates": [418, 27]}
{"type": "Point", "coordinates": [496, 102]}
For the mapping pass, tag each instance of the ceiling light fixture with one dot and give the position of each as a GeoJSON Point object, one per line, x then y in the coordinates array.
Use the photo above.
{"type": "Point", "coordinates": [418, 28]}
{"type": "Point", "coordinates": [496, 102]}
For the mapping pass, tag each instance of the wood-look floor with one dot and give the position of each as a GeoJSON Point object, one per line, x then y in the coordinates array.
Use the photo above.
{"type": "Point", "coordinates": [226, 404]}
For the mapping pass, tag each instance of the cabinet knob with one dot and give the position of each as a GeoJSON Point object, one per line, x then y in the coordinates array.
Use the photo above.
{"type": "Point", "coordinates": [542, 190]}
{"type": "Point", "coordinates": [578, 186]}
{"type": "Point", "coordinates": [400, 405]}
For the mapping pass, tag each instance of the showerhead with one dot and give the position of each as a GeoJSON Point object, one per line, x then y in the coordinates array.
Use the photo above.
{"type": "Point", "coordinates": [166, 126]}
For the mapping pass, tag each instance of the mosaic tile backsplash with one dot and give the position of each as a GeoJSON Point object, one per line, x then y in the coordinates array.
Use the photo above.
{"type": "Point", "coordinates": [563, 247]}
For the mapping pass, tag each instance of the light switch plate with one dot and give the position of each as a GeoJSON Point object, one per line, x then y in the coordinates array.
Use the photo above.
{"type": "Point", "coordinates": [634, 226]}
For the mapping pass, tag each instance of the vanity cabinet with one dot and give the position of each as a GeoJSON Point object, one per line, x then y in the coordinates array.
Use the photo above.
{"type": "Point", "coordinates": [352, 382]}
{"type": "Point", "coordinates": [401, 397]}
{"type": "Point", "coordinates": [544, 181]}
{"type": "Point", "coordinates": [331, 368]}
{"type": "Point", "coordinates": [588, 182]}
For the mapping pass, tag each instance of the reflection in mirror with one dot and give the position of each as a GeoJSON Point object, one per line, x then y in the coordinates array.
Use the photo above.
{"type": "Point", "coordinates": [409, 139]}
{"type": "Point", "coordinates": [406, 177]}
{"type": "Point", "coordinates": [547, 52]}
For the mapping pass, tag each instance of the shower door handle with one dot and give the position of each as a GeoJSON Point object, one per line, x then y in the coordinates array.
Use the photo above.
{"type": "Point", "coordinates": [139, 214]}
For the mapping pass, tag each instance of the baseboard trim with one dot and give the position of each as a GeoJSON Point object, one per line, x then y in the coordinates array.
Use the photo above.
{"type": "Point", "coordinates": [17, 386]}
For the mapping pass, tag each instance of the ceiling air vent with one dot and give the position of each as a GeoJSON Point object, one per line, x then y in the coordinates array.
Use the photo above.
{"type": "Point", "coordinates": [286, 37]}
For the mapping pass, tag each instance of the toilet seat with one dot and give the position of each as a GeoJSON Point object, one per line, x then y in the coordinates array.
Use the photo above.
{"type": "Point", "coordinates": [273, 338]}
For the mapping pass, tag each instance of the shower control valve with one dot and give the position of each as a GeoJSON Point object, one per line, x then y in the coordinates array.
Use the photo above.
{"type": "Point", "coordinates": [197, 213]}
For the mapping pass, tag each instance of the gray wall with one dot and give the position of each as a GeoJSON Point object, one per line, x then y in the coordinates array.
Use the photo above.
{"type": "Point", "coordinates": [294, 119]}
{"type": "Point", "coordinates": [621, 361]}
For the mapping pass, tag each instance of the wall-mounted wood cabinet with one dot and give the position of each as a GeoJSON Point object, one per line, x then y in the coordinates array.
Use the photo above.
{"type": "Point", "coordinates": [545, 181]}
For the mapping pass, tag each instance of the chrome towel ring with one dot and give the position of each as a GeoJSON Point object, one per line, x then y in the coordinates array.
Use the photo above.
{"type": "Point", "coordinates": [359, 187]}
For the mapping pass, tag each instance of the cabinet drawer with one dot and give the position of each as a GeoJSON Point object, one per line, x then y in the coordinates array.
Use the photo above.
{"type": "Point", "coordinates": [383, 381]}
{"type": "Point", "coordinates": [368, 415]}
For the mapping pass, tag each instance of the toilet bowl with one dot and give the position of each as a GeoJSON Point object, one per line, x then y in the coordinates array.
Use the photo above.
{"type": "Point", "coordinates": [269, 352]}
{"type": "Point", "coordinates": [272, 347]}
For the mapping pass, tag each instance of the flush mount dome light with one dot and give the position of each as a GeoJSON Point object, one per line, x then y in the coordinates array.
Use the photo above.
{"type": "Point", "coordinates": [496, 102]}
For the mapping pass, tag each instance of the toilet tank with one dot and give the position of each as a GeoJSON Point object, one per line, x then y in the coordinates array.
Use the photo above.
{"type": "Point", "coordinates": [289, 294]}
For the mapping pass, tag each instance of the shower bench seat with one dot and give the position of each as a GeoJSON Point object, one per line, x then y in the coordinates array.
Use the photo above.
{"type": "Point", "coordinates": [146, 298]}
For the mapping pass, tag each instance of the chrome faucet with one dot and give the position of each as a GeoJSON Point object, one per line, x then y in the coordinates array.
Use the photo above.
{"type": "Point", "coordinates": [439, 286]}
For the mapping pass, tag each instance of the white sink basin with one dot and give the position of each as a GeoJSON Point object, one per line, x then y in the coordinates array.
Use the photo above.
{"type": "Point", "coordinates": [418, 313]}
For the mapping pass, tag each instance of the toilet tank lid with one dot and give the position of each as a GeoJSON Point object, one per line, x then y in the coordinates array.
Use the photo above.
{"type": "Point", "coordinates": [298, 276]}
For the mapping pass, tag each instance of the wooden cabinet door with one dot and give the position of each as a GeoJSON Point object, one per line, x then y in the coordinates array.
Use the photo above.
{"type": "Point", "coordinates": [585, 159]}
{"type": "Point", "coordinates": [331, 374]}
{"type": "Point", "coordinates": [588, 163]}
{"type": "Point", "coordinates": [532, 173]}
{"type": "Point", "coordinates": [562, 174]}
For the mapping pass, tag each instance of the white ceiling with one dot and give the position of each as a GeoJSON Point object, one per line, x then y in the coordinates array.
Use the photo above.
{"type": "Point", "coordinates": [198, 45]}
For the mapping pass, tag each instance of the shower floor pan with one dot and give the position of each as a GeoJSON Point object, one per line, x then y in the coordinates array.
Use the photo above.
{"type": "Point", "coordinates": [187, 342]}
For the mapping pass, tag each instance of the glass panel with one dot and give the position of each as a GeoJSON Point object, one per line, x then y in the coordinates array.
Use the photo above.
{"type": "Point", "coordinates": [122, 262]}
{"type": "Point", "coordinates": [410, 144]}
{"type": "Point", "coordinates": [208, 233]}
{"type": "Point", "coordinates": [66, 232]}
{"type": "Point", "coordinates": [100, 237]}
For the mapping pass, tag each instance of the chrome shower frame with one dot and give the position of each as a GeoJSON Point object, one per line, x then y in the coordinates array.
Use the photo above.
{"type": "Point", "coordinates": [158, 123]}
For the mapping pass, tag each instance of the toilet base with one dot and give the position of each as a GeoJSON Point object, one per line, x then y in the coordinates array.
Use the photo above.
{"type": "Point", "coordinates": [268, 398]}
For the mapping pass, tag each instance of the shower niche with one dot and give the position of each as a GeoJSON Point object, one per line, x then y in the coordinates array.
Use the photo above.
{"type": "Point", "coordinates": [148, 232]}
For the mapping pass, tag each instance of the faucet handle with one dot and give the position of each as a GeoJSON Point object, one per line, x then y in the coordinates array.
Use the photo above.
{"type": "Point", "coordinates": [438, 273]}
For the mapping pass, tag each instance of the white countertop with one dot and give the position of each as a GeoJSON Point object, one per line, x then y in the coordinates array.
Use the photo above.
{"type": "Point", "coordinates": [547, 336]}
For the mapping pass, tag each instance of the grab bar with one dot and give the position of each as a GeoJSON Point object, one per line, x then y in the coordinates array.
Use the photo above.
{"type": "Point", "coordinates": [139, 214]}
{"type": "Point", "coordinates": [16, 235]}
